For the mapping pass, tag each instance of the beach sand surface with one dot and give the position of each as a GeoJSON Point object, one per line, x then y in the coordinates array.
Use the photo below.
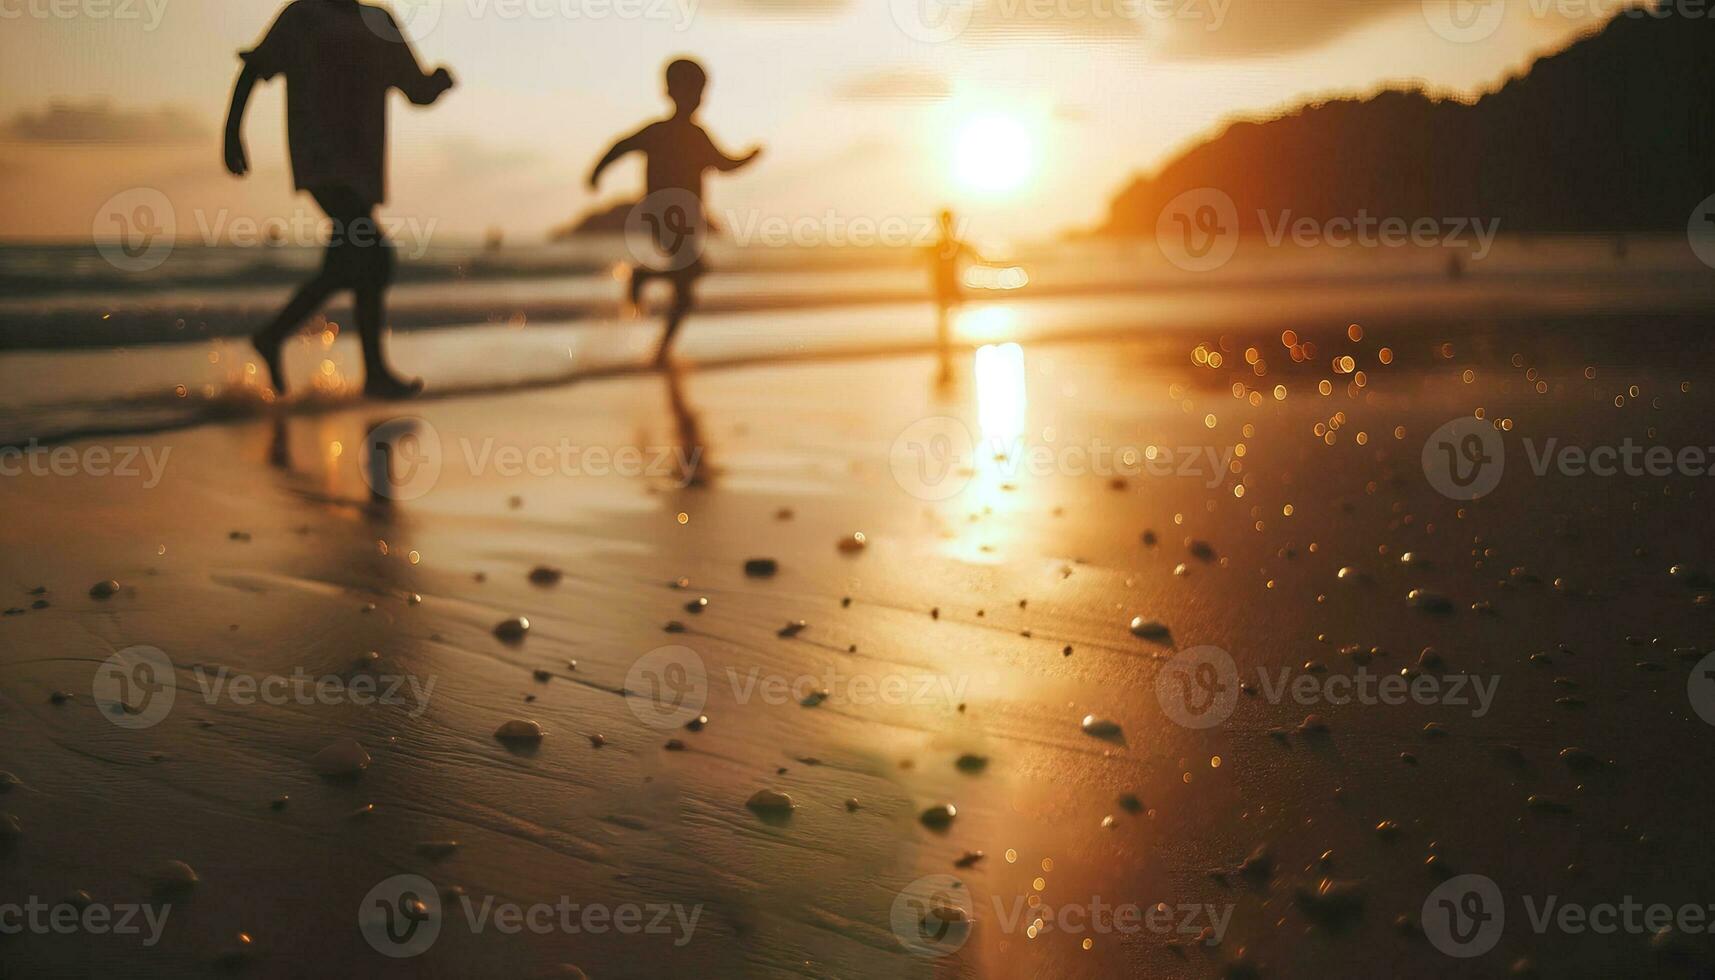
{"type": "Point", "coordinates": [988, 612]}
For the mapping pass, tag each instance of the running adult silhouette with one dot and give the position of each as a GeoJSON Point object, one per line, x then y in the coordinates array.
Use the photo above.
{"type": "Point", "coordinates": [340, 59]}
{"type": "Point", "coordinates": [677, 153]}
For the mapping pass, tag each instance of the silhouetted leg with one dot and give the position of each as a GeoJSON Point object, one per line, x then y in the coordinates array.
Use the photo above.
{"type": "Point", "coordinates": [305, 302]}
{"type": "Point", "coordinates": [684, 298]}
{"type": "Point", "coordinates": [640, 276]}
{"type": "Point", "coordinates": [362, 256]}
{"type": "Point", "coordinates": [944, 341]}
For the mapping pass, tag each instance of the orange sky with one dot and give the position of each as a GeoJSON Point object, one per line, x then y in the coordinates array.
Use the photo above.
{"type": "Point", "coordinates": [858, 101]}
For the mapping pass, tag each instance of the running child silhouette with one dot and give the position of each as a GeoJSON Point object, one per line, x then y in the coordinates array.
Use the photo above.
{"type": "Point", "coordinates": [340, 59]}
{"type": "Point", "coordinates": [677, 153]}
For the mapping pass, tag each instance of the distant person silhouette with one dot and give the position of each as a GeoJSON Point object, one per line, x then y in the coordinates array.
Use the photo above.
{"type": "Point", "coordinates": [947, 259]}
{"type": "Point", "coordinates": [340, 59]}
{"type": "Point", "coordinates": [677, 152]}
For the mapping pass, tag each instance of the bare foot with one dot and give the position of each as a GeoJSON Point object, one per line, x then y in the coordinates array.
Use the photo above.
{"type": "Point", "coordinates": [386, 387]}
{"type": "Point", "coordinates": [269, 349]}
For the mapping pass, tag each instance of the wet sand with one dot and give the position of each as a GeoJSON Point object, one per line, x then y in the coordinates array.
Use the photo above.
{"type": "Point", "coordinates": [988, 623]}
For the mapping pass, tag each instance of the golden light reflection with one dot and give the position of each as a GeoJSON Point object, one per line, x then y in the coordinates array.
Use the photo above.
{"type": "Point", "coordinates": [987, 324]}
{"type": "Point", "coordinates": [1001, 396]}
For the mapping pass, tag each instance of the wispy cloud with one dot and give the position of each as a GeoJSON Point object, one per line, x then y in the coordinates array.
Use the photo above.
{"type": "Point", "coordinates": [896, 85]}
{"type": "Point", "coordinates": [100, 122]}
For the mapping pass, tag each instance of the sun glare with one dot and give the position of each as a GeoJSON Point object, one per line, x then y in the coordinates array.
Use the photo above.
{"type": "Point", "coordinates": [994, 154]}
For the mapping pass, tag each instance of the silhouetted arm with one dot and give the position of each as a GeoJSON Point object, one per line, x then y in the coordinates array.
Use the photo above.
{"type": "Point", "coordinates": [237, 161]}
{"type": "Point", "coordinates": [631, 144]}
{"type": "Point", "coordinates": [425, 89]}
{"type": "Point", "coordinates": [726, 164]}
{"type": "Point", "coordinates": [405, 72]}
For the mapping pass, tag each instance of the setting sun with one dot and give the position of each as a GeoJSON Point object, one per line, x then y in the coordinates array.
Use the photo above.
{"type": "Point", "coordinates": [994, 153]}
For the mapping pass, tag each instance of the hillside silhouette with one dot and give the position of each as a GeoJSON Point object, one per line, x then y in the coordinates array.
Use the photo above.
{"type": "Point", "coordinates": [1612, 134]}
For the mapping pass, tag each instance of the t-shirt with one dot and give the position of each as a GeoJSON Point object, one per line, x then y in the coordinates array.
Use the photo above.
{"type": "Point", "coordinates": [340, 58]}
{"type": "Point", "coordinates": [678, 152]}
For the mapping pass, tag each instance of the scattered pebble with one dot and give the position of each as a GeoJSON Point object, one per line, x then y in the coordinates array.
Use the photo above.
{"type": "Point", "coordinates": [544, 575]}
{"type": "Point", "coordinates": [792, 629]}
{"type": "Point", "coordinates": [854, 542]}
{"type": "Point", "coordinates": [770, 801]}
{"type": "Point", "coordinates": [1100, 727]}
{"type": "Point", "coordinates": [969, 860]}
{"type": "Point", "coordinates": [104, 590]}
{"type": "Point", "coordinates": [1312, 725]}
{"type": "Point", "coordinates": [437, 849]}
{"type": "Point", "coordinates": [342, 758]}
{"type": "Point", "coordinates": [519, 730]}
{"type": "Point", "coordinates": [1429, 601]}
{"type": "Point", "coordinates": [939, 816]}
{"type": "Point", "coordinates": [173, 876]}
{"type": "Point", "coordinates": [970, 762]}
{"type": "Point", "coordinates": [512, 630]}
{"type": "Point", "coordinates": [1148, 629]}
{"type": "Point", "coordinates": [761, 567]}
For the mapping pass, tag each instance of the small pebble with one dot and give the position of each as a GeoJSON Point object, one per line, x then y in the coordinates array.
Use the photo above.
{"type": "Point", "coordinates": [1099, 727]}
{"type": "Point", "coordinates": [761, 567]}
{"type": "Point", "coordinates": [341, 758]}
{"type": "Point", "coordinates": [512, 630]}
{"type": "Point", "coordinates": [174, 875]}
{"type": "Point", "coordinates": [939, 816]}
{"type": "Point", "coordinates": [770, 801]}
{"type": "Point", "coordinates": [104, 590]}
{"type": "Point", "coordinates": [1148, 629]}
{"type": "Point", "coordinates": [519, 730]}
